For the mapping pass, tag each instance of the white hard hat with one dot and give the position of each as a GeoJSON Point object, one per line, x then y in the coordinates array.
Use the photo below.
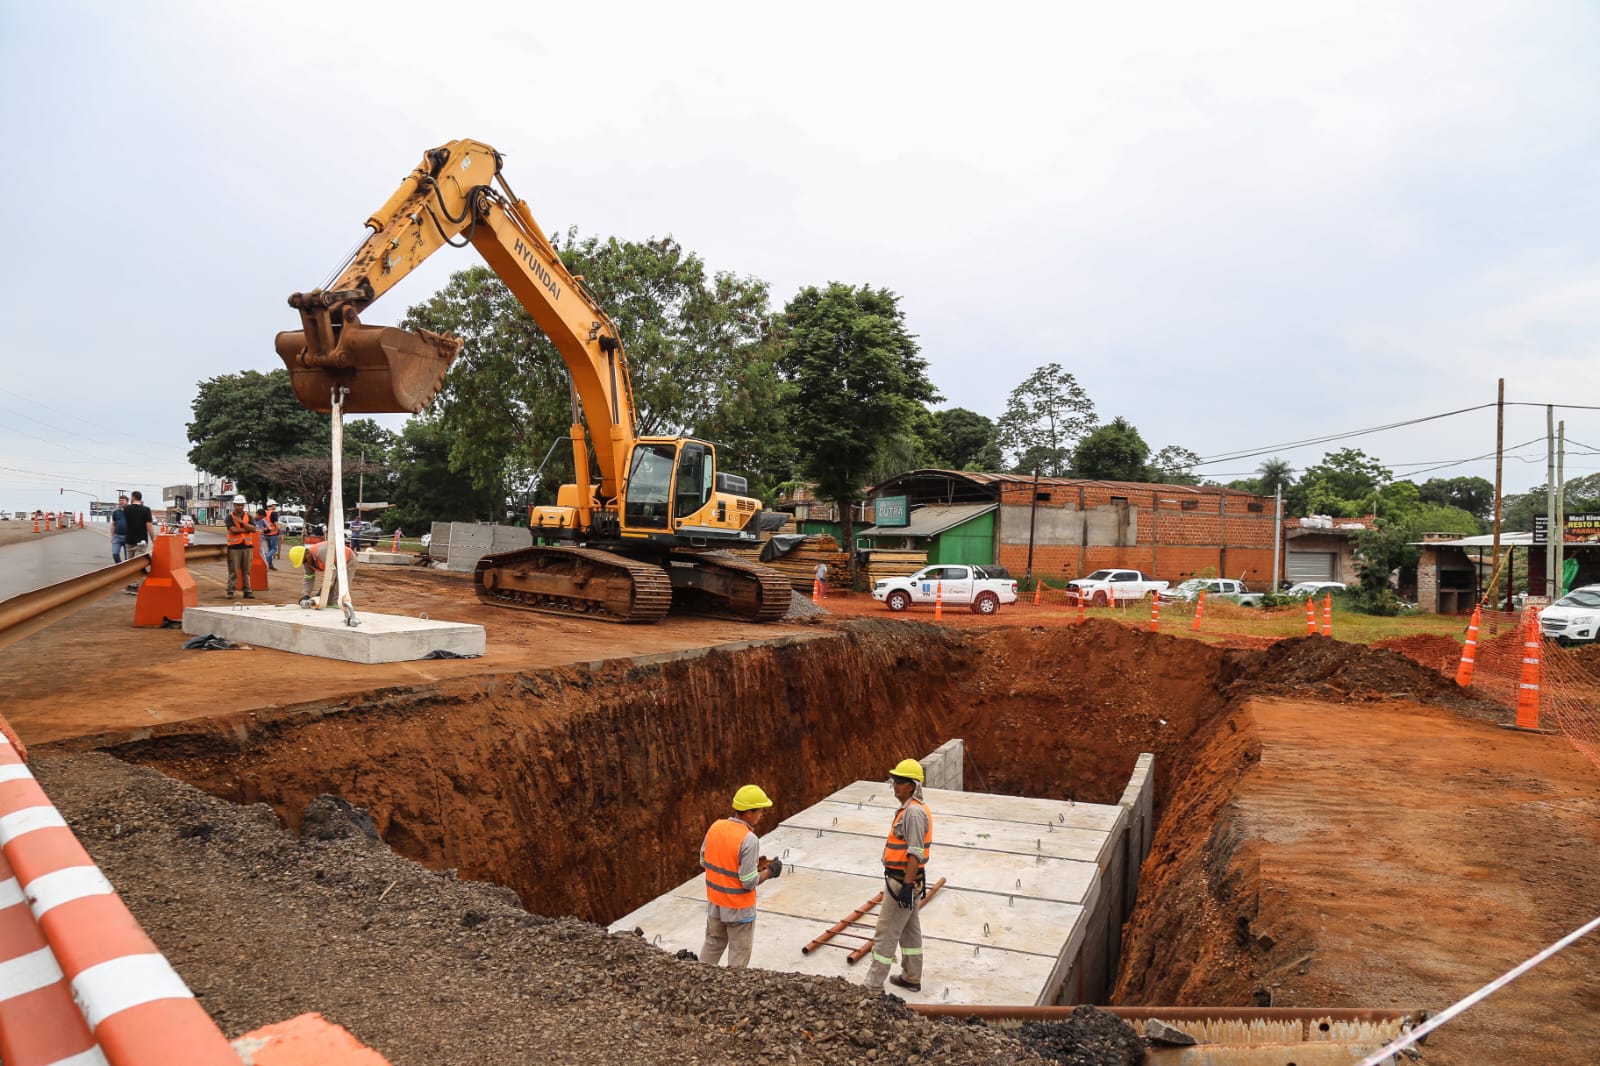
{"type": "Point", "coordinates": [272, 503]}
{"type": "Point", "coordinates": [238, 499]}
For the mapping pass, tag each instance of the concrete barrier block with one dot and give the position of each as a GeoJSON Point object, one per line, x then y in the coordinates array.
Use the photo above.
{"type": "Point", "coordinates": [380, 638]}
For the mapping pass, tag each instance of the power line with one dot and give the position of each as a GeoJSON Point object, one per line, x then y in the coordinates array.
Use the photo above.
{"type": "Point", "coordinates": [1313, 441]}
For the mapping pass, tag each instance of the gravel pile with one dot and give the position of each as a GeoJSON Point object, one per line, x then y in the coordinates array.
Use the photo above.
{"type": "Point", "coordinates": [1088, 1038]}
{"type": "Point", "coordinates": [428, 969]}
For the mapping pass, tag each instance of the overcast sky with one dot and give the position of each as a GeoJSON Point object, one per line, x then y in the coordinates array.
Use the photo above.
{"type": "Point", "coordinates": [1238, 225]}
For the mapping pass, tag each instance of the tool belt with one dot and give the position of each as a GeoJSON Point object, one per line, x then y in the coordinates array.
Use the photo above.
{"type": "Point", "coordinates": [921, 883]}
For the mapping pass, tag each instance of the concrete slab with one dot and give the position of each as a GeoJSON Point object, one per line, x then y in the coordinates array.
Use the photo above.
{"type": "Point", "coordinates": [371, 557]}
{"type": "Point", "coordinates": [1021, 905]}
{"type": "Point", "coordinates": [380, 638]}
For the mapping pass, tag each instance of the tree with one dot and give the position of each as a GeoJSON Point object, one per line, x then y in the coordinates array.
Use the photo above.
{"type": "Point", "coordinates": [1474, 495]}
{"type": "Point", "coordinates": [858, 383]}
{"type": "Point", "coordinates": [1114, 452]}
{"type": "Point", "coordinates": [246, 419]}
{"type": "Point", "coordinates": [426, 490]}
{"type": "Point", "coordinates": [965, 440]}
{"type": "Point", "coordinates": [1045, 417]}
{"type": "Point", "coordinates": [1173, 465]}
{"type": "Point", "coordinates": [1273, 475]}
{"type": "Point", "coordinates": [1345, 485]}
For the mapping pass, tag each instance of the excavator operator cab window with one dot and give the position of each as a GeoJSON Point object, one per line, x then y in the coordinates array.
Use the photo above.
{"type": "Point", "coordinates": [695, 474]}
{"type": "Point", "coordinates": [649, 493]}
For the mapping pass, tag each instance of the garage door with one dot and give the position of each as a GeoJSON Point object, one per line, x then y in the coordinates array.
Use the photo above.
{"type": "Point", "coordinates": [1313, 566]}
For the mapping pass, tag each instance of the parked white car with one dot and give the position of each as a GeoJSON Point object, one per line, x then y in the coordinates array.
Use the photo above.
{"type": "Point", "coordinates": [1314, 588]}
{"type": "Point", "coordinates": [957, 586]}
{"type": "Point", "coordinates": [292, 524]}
{"type": "Point", "coordinates": [1113, 587]}
{"type": "Point", "coordinates": [1574, 618]}
{"type": "Point", "coordinates": [1215, 588]}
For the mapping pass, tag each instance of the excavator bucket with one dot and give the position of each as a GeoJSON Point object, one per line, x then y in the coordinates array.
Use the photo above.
{"type": "Point", "coordinates": [384, 368]}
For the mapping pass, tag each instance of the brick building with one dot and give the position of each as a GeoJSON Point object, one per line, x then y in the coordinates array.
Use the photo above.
{"type": "Point", "coordinates": [1319, 548]}
{"type": "Point", "coordinates": [1074, 526]}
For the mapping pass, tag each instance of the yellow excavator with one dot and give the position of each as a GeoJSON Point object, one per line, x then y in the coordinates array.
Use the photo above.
{"type": "Point", "coordinates": [653, 525]}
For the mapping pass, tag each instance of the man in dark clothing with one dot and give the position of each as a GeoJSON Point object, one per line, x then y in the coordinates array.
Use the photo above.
{"type": "Point", "coordinates": [119, 529]}
{"type": "Point", "coordinates": [141, 530]}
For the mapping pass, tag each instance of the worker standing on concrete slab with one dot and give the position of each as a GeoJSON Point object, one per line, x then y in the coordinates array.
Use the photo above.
{"type": "Point", "coordinates": [731, 855]}
{"type": "Point", "coordinates": [905, 864]}
{"type": "Point", "coordinates": [241, 543]}
{"type": "Point", "coordinates": [311, 560]}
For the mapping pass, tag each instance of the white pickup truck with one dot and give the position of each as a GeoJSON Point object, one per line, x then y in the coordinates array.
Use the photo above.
{"type": "Point", "coordinates": [959, 586]}
{"type": "Point", "coordinates": [1105, 587]}
{"type": "Point", "coordinates": [1215, 588]}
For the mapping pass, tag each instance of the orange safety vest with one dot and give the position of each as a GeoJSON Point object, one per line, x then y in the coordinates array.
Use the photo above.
{"type": "Point", "coordinates": [240, 530]}
{"type": "Point", "coordinates": [721, 860]}
{"type": "Point", "coordinates": [272, 521]}
{"type": "Point", "coordinates": [894, 848]}
{"type": "Point", "coordinates": [317, 555]}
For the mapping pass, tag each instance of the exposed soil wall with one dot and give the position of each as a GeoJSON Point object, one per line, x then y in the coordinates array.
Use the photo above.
{"type": "Point", "coordinates": [588, 792]}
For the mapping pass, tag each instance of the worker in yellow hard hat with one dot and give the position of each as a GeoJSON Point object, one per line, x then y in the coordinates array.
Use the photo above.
{"type": "Point", "coordinates": [311, 560]}
{"type": "Point", "coordinates": [731, 857]}
{"type": "Point", "coordinates": [905, 863]}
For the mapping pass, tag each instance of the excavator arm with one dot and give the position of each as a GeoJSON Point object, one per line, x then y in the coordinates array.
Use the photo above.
{"type": "Point", "coordinates": [458, 196]}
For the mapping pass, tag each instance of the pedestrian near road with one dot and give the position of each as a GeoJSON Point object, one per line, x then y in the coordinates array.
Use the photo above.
{"type": "Point", "coordinates": [140, 526]}
{"type": "Point", "coordinates": [241, 544]}
{"type": "Point", "coordinates": [311, 560]}
{"type": "Point", "coordinates": [119, 529]}
{"type": "Point", "coordinates": [822, 579]}
{"type": "Point", "coordinates": [905, 864]}
{"type": "Point", "coordinates": [272, 532]}
{"type": "Point", "coordinates": [730, 856]}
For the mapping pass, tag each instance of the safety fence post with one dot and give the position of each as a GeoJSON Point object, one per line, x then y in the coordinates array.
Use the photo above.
{"type": "Point", "coordinates": [1469, 650]}
{"type": "Point", "coordinates": [1155, 611]}
{"type": "Point", "coordinates": [1199, 610]}
{"type": "Point", "coordinates": [1327, 614]}
{"type": "Point", "coordinates": [938, 600]}
{"type": "Point", "coordinates": [1311, 618]}
{"type": "Point", "coordinates": [1080, 608]}
{"type": "Point", "coordinates": [1528, 688]}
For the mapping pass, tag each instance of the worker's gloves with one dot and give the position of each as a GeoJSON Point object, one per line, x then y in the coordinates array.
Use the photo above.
{"type": "Point", "coordinates": [905, 896]}
{"type": "Point", "coordinates": [775, 869]}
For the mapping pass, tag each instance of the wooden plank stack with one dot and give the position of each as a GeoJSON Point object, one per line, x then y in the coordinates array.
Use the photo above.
{"type": "Point", "coordinates": [883, 563]}
{"type": "Point", "coordinates": [800, 565]}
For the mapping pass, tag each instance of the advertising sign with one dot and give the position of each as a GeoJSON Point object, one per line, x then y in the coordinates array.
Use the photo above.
{"type": "Point", "coordinates": [1583, 528]}
{"type": "Point", "coordinates": [892, 511]}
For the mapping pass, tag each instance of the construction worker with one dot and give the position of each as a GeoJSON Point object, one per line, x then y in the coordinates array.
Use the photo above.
{"type": "Point", "coordinates": [905, 864]}
{"type": "Point", "coordinates": [241, 531]}
{"type": "Point", "coordinates": [311, 560]}
{"type": "Point", "coordinates": [269, 517]}
{"type": "Point", "coordinates": [730, 855]}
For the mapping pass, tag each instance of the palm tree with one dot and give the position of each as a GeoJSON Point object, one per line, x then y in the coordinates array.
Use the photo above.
{"type": "Point", "coordinates": [1273, 475]}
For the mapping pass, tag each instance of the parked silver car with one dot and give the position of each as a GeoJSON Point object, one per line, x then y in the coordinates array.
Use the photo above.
{"type": "Point", "coordinates": [1574, 618]}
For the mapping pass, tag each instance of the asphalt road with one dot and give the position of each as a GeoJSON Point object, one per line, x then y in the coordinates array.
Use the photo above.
{"type": "Point", "coordinates": [31, 564]}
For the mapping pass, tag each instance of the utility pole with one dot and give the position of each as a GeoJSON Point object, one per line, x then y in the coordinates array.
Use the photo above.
{"type": "Point", "coordinates": [1560, 529]}
{"type": "Point", "coordinates": [1277, 537]}
{"type": "Point", "coordinates": [1551, 533]}
{"type": "Point", "coordinates": [1499, 461]}
{"type": "Point", "coordinates": [1033, 513]}
{"type": "Point", "coordinates": [361, 483]}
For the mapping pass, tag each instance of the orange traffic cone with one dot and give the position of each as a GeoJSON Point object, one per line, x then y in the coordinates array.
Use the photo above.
{"type": "Point", "coordinates": [1155, 612]}
{"type": "Point", "coordinates": [1080, 608]}
{"type": "Point", "coordinates": [1327, 614]}
{"type": "Point", "coordinates": [36, 523]}
{"type": "Point", "coordinates": [938, 600]}
{"type": "Point", "coordinates": [1469, 650]}
{"type": "Point", "coordinates": [1528, 688]}
{"type": "Point", "coordinates": [80, 519]}
{"type": "Point", "coordinates": [816, 591]}
{"type": "Point", "coordinates": [397, 541]}
{"type": "Point", "coordinates": [1311, 618]}
{"type": "Point", "coordinates": [1199, 611]}
{"type": "Point", "coordinates": [1038, 590]}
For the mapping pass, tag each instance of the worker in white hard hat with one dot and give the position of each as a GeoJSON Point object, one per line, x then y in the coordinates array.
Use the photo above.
{"type": "Point", "coordinates": [241, 531]}
{"type": "Point", "coordinates": [731, 857]}
{"type": "Point", "coordinates": [311, 560]}
{"type": "Point", "coordinates": [905, 864]}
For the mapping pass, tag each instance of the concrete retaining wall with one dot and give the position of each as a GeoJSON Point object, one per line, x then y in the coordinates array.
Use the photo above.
{"type": "Point", "coordinates": [462, 544]}
{"type": "Point", "coordinates": [945, 767]}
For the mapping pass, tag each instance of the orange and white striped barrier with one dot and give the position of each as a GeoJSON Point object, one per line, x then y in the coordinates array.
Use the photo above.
{"type": "Point", "coordinates": [1528, 687]}
{"type": "Point", "coordinates": [938, 600]}
{"type": "Point", "coordinates": [85, 985]}
{"type": "Point", "coordinates": [1155, 612]}
{"type": "Point", "coordinates": [1080, 609]}
{"type": "Point", "coordinates": [1311, 618]}
{"type": "Point", "coordinates": [1327, 614]}
{"type": "Point", "coordinates": [1199, 611]}
{"type": "Point", "coordinates": [1469, 650]}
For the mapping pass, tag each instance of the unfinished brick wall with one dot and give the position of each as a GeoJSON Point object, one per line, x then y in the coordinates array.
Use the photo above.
{"type": "Point", "coordinates": [1169, 532]}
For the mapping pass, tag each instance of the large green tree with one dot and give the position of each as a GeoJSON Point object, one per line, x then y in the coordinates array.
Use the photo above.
{"type": "Point", "coordinates": [1472, 494]}
{"type": "Point", "coordinates": [426, 490]}
{"type": "Point", "coordinates": [1045, 417]}
{"type": "Point", "coordinates": [698, 349]}
{"type": "Point", "coordinates": [246, 419]}
{"type": "Point", "coordinates": [1173, 465]}
{"type": "Point", "coordinates": [965, 440]}
{"type": "Point", "coordinates": [858, 384]}
{"type": "Point", "coordinates": [1114, 452]}
{"type": "Point", "coordinates": [1345, 485]}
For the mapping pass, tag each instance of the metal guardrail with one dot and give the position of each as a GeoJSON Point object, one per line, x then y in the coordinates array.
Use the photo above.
{"type": "Point", "coordinates": [26, 614]}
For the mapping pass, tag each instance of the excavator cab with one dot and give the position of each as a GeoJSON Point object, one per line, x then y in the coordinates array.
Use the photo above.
{"type": "Point", "coordinates": [673, 487]}
{"type": "Point", "coordinates": [384, 369]}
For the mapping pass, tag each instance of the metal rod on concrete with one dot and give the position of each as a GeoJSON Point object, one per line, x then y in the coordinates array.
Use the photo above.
{"type": "Point", "coordinates": [840, 927]}
{"type": "Point", "coordinates": [1173, 1014]}
{"type": "Point", "coordinates": [860, 953]}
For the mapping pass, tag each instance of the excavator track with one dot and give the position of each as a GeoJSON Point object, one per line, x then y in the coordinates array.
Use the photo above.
{"type": "Point", "coordinates": [749, 591]}
{"type": "Point", "coordinates": [582, 582]}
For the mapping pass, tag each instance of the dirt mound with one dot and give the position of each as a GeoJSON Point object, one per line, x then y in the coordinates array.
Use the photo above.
{"type": "Point", "coordinates": [1350, 673]}
{"type": "Point", "coordinates": [1085, 1037]}
{"type": "Point", "coordinates": [1432, 650]}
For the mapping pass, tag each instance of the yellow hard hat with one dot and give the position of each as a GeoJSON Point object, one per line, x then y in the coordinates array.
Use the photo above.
{"type": "Point", "coordinates": [749, 798]}
{"type": "Point", "coordinates": [297, 555]}
{"type": "Point", "coordinates": [908, 768]}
